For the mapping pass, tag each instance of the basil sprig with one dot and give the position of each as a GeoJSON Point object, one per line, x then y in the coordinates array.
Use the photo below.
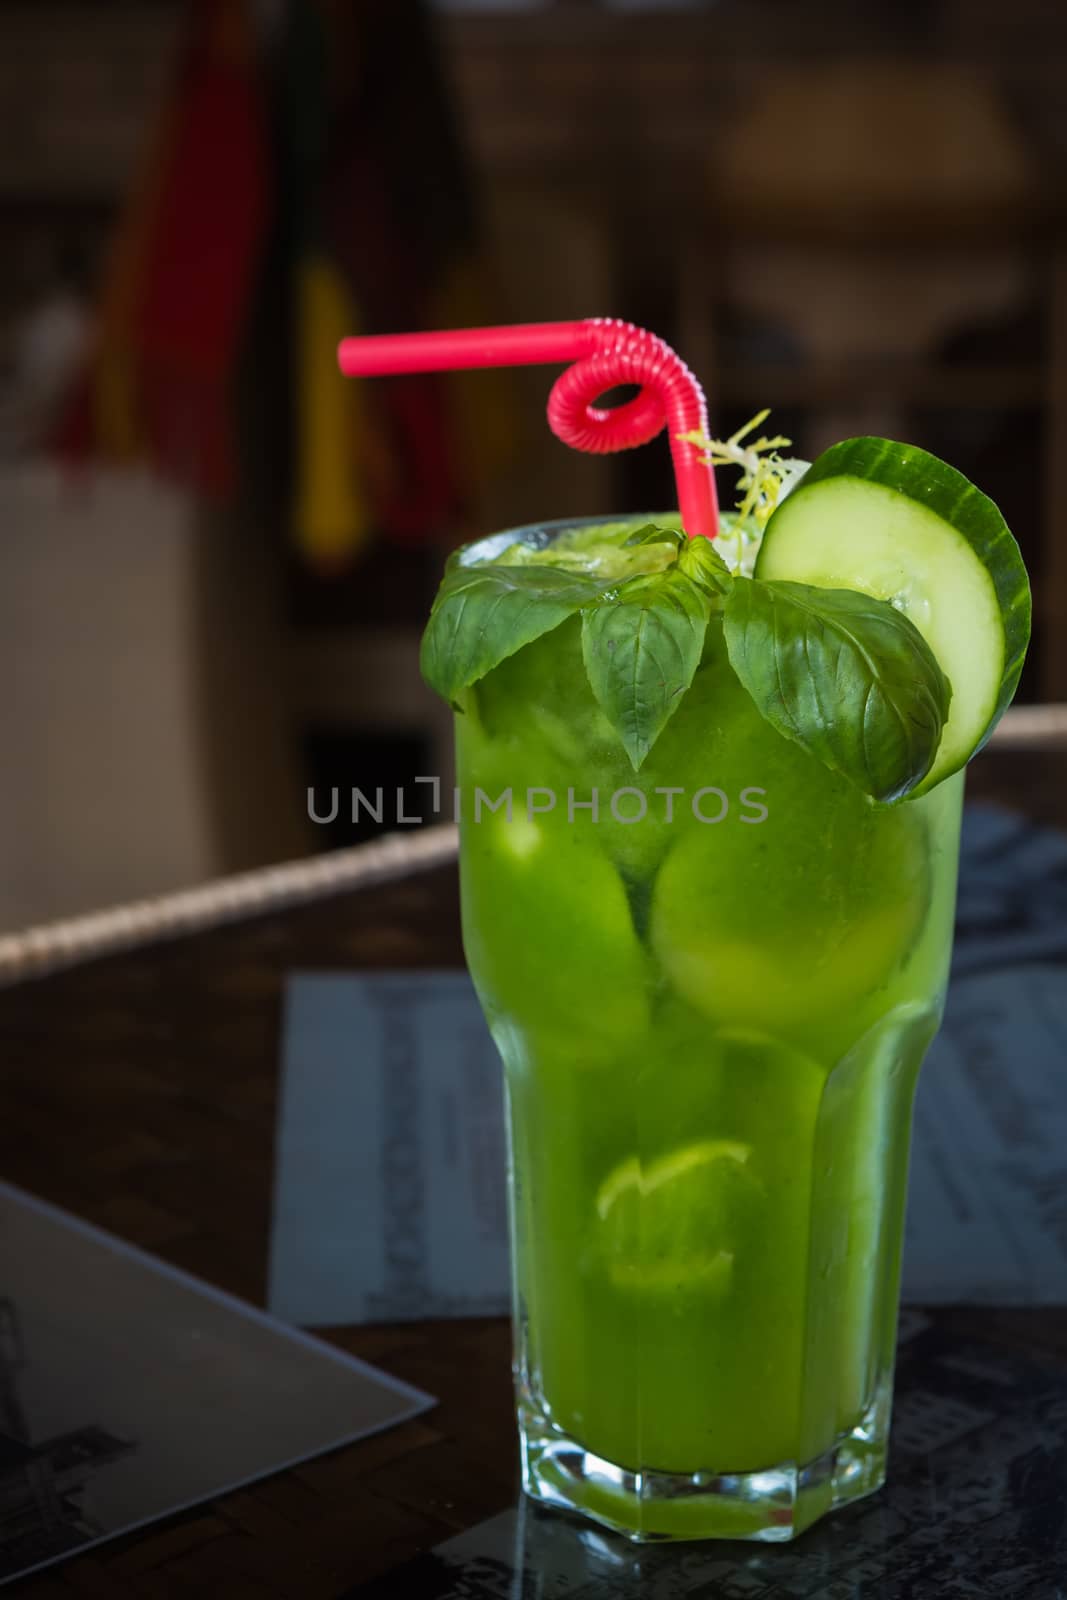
{"type": "Point", "coordinates": [483, 614]}
{"type": "Point", "coordinates": [641, 651]}
{"type": "Point", "coordinates": [642, 647]}
{"type": "Point", "coordinates": [842, 674]}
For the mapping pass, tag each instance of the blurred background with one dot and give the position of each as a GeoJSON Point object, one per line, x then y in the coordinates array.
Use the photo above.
{"type": "Point", "coordinates": [216, 556]}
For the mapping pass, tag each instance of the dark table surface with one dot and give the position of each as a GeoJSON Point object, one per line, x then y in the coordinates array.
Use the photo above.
{"type": "Point", "coordinates": [139, 1092]}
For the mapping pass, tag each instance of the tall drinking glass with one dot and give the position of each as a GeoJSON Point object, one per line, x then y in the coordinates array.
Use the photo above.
{"type": "Point", "coordinates": [712, 984]}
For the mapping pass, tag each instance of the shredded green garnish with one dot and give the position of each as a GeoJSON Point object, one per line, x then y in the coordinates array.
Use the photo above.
{"type": "Point", "coordinates": [766, 477]}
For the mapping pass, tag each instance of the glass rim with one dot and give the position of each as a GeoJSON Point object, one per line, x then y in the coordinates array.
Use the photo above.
{"type": "Point", "coordinates": [538, 535]}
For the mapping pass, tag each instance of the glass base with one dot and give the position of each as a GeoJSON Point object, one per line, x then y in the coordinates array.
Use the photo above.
{"type": "Point", "coordinates": [776, 1504]}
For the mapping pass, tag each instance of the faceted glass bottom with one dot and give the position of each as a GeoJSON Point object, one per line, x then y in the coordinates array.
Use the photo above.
{"type": "Point", "coordinates": [777, 1503]}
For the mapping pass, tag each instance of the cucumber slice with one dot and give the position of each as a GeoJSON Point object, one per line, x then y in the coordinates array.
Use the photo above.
{"type": "Point", "coordinates": [892, 521]}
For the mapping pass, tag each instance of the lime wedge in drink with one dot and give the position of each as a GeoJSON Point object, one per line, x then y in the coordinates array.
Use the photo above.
{"type": "Point", "coordinates": [892, 521]}
{"type": "Point", "coordinates": [673, 1225]}
{"type": "Point", "coordinates": [741, 934]}
{"type": "Point", "coordinates": [549, 935]}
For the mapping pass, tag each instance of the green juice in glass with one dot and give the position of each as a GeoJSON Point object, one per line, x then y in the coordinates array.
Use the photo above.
{"type": "Point", "coordinates": [712, 982]}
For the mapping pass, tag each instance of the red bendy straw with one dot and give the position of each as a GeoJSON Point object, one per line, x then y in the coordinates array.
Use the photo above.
{"type": "Point", "coordinates": [605, 352]}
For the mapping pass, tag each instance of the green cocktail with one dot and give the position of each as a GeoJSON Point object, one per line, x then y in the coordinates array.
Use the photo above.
{"type": "Point", "coordinates": [712, 972]}
{"type": "Point", "coordinates": [711, 1028]}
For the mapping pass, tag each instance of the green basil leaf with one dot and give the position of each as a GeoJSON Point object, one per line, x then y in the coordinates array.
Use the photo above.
{"type": "Point", "coordinates": [845, 675]}
{"type": "Point", "coordinates": [650, 533]}
{"type": "Point", "coordinates": [641, 649]}
{"type": "Point", "coordinates": [484, 613]}
{"type": "Point", "coordinates": [701, 562]}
